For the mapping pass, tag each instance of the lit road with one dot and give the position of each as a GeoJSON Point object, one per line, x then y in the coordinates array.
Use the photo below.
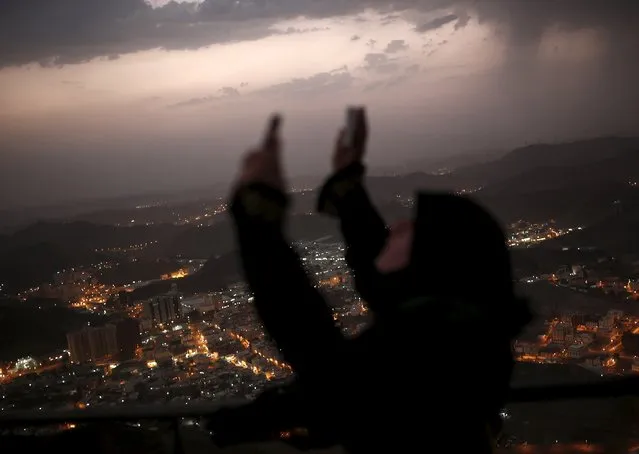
{"type": "Point", "coordinates": [8, 377]}
{"type": "Point", "coordinates": [203, 348]}
{"type": "Point", "coordinates": [246, 344]}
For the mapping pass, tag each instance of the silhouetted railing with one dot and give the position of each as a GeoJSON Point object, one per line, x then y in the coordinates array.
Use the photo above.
{"type": "Point", "coordinates": [609, 388]}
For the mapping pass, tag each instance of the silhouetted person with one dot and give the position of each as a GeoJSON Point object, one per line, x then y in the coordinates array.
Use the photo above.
{"type": "Point", "coordinates": [432, 371]}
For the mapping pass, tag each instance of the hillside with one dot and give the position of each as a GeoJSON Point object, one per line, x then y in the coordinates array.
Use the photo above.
{"type": "Point", "coordinates": [574, 183]}
{"type": "Point", "coordinates": [86, 235]}
{"type": "Point", "coordinates": [580, 193]}
{"type": "Point", "coordinates": [216, 274]}
{"type": "Point", "coordinates": [140, 270]}
{"type": "Point", "coordinates": [47, 324]}
{"type": "Point", "coordinates": [27, 266]}
{"type": "Point", "coordinates": [615, 235]}
{"type": "Point", "coordinates": [547, 299]}
{"type": "Point", "coordinates": [569, 154]}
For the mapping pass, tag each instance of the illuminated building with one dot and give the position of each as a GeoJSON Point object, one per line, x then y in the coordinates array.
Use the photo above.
{"type": "Point", "coordinates": [202, 303]}
{"type": "Point", "coordinates": [561, 333]}
{"type": "Point", "coordinates": [162, 309]}
{"type": "Point", "coordinates": [26, 363]}
{"type": "Point", "coordinates": [93, 344]}
{"type": "Point", "coordinates": [127, 333]}
{"type": "Point", "coordinates": [113, 341]}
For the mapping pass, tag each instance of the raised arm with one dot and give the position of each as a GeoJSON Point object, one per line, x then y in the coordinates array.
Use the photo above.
{"type": "Point", "coordinates": [363, 229]}
{"type": "Point", "coordinates": [343, 196]}
{"type": "Point", "coordinates": [293, 312]}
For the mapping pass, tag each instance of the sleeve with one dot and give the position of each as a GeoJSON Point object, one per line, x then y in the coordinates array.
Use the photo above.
{"type": "Point", "coordinates": [293, 312]}
{"type": "Point", "coordinates": [364, 231]}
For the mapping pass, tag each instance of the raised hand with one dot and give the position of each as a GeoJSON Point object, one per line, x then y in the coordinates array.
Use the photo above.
{"type": "Point", "coordinates": [263, 164]}
{"type": "Point", "coordinates": [346, 153]}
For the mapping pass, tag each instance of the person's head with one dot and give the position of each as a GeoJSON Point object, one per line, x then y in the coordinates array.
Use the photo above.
{"type": "Point", "coordinates": [452, 250]}
{"type": "Point", "coordinates": [452, 246]}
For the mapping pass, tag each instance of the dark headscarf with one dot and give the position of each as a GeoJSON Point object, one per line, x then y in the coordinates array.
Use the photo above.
{"type": "Point", "coordinates": [459, 254]}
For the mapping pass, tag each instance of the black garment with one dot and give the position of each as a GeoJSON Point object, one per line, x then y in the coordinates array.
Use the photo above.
{"type": "Point", "coordinates": [417, 378]}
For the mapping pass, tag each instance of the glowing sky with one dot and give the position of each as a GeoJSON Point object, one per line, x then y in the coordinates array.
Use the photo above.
{"type": "Point", "coordinates": [105, 98]}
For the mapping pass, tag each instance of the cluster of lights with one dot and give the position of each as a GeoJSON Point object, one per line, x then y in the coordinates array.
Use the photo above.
{"type": "Point", "coordinates": [130, 248]}
{"type": "Point", "coordinates": [203, 349]}
{"type": "Point", "coordinates": [525, 234]}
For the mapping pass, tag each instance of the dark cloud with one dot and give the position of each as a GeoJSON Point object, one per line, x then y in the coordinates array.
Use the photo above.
{"type": "Point", "coordinates": [394, 80]}
{"type": "Point", "coordinates": [524, 25]}
{"type": "Point", "coordinates": [56, 32]}
{"type": "Point", "coordinates": [462, 19]}
{"type": "Point", "coordinates": [341, 69]}
{"type": "Point", "coordinates": [320, 83]}
{"type": "Point", "coordinates": [222, 93]}
{"type": "Point", "coordinates": [355, 38]}
{"type": "Point", "coordinates": [66, 31]}
{"type": "Point", "coordinates": [528, 20]}
{"type": "Point", "coordinates": [396, 45]}
{"type": "Point", "coordinates": [380, 63]}
{"type": "Point", "coordinates": [229, 92]}
{"type": "Point", "coordinates": [436, 23]}
{"type": "Point", "coordinates": [523, 99]}
{"type": "Point", "coordinates": [193, 102]}
{"type": "Point", "coordinates": [295, 31]}
{"type": "Point", "coordinates": [386, 20]}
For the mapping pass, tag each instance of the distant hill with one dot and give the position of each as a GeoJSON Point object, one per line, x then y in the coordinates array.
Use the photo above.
{"type": "Point", "coordinates": [80, 234]}
{"type": "Point", "coordinates": [616, 234]}
{"type": "Point", "coordinates": [32, 255]}
{"type": "Point", "coordinates": [543, 259]}
{"type": "Point", "coordinates": [219, 239]}
{"type": "Point", "coordinates": [582, 193]}
{"type": "Point", "coordinates": [26, 266]}
{"type": "Point", "coordinates": [525, 159]}
{"type": "Point", "coordinates": [547, 299]}
{"type": "Point", "coordinates": [385, 188]}
{"type": "Point", "coordinates": [140, 270]}
{"type": "Point", "coordinates": [223, 265]}
{"type": "Point", "coordinates": [575, 183]}
{"type": "Point", "coordinates": [38, 326]}
{"type": "Point", "coordinates": [217, 273]}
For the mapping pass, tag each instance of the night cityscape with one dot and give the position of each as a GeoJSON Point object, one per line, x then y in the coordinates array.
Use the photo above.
{"type": "Point", "coordinates": [432, 246]}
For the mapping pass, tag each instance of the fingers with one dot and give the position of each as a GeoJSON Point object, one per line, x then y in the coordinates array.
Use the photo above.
{"type": "Point", "coordinates": [272, 139]}
{"type": "Point", "coordinates": [361, 132]}
{"type": "Point", "coordinates": [262, 164]}
{"type": "Point", "coordinates": [341, 137]}
{"type": "Point", "coordinates": [364, 124]}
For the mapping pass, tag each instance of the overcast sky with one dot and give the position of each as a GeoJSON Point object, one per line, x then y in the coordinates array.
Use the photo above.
{"type": "Point", "coordinates": [101, 98]}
